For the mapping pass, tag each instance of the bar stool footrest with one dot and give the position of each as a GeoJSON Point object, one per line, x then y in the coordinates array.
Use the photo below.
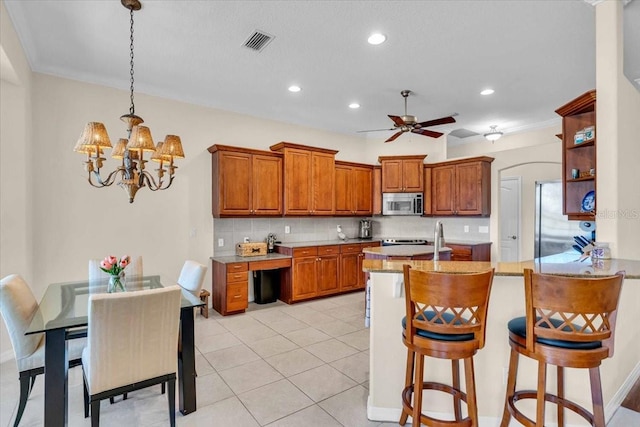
{"type": "Point", "coordinates": [407, 407]}
{"type": "Point", "coordinates": [548, 397]}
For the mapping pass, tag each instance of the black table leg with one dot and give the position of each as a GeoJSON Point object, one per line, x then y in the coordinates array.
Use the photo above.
{"type": "Point", "coordinates": [55, 378]}
{"type": "Point", "coordinates": [187, 363]}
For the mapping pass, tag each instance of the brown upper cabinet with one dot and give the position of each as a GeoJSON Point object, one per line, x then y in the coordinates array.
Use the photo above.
{"type": "Point", "coordinates": [579, 154]}
{"type": "Point", "coordinates": [309, 179]}
{"type": "Point", "coordinates": [245, 182]}
{"type": "Point", "coordinates": [377, 190]}
{"type": "Point", "coordinates": [402, 174]}
{"type": "Point", "coordinates": [353, 189]}
{"type": "Point", "coordinates": [461, 187]}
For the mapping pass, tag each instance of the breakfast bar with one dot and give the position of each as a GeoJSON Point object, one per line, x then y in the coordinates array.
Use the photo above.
{"type": "Point", "coordinates": [507, 300]}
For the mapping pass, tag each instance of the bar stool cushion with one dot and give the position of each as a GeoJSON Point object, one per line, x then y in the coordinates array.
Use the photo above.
{"type": "Point", "coordinates": [518, 326]}
{"type": "Point", "coordinates": [448, 317]}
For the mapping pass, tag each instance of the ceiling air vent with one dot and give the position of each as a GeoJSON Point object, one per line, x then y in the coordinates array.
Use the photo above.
{"type": "Point", "coordinates": [258, 40]}
{"type": "Point", "coordinates": [462, 133]}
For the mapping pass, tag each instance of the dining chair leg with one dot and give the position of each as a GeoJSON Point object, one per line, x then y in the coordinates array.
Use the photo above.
{"type": "Point", "coordinates": [408, 379]}
{"type": "Point", "coordinates": [95, 413]}
{"type": "Point", "coordinates": [25, 390]}
{"type": "Point", "coordinates": [455, 375]}
{"type": "Point", "coordinates": [86, 400]}
{"type": "Point", "coordinates": [560, 393]}
{"type": "Point", "coordinates": [596, 397]}
{"type": "Point", "coordinates": [163, 388]}
{"type": "Point", "coordinates": [172, 401]}
{"type": "Point", "coordinates": [511, 387]}
{"type": "Point", "coordinates": [472, 404]}
{"type": "Point", "coordinates": [542, 389]}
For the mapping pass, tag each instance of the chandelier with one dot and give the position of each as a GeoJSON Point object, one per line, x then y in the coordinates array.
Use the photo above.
{"type": "Point", "coordinates": [493, 134]}
{"type": "Point", "coordinates": [131, 174]}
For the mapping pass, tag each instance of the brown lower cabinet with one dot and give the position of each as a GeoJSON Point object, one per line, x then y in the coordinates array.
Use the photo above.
{"type": "Point", "coordinates": [470, 252]}
{"type": "Point", "coordinates": [318, 271]}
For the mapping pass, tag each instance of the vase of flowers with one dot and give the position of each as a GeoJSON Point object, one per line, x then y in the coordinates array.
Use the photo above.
{"type": "Point", "coordinates": [115, 269]}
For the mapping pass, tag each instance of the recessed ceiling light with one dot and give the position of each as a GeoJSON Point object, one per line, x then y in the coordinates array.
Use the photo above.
{"type": "Point", "coordinates": [487, 92]}
{"type": "Point", "coordinates": [294, 88]}
{"type": "Point", "coordinates": [376, 38]}
{"type": "Point", "coordinates": [354, 105]}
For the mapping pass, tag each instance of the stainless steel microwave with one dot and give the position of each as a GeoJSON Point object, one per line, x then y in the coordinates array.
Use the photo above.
{"type": "Point", "coordinates": [402, 204]}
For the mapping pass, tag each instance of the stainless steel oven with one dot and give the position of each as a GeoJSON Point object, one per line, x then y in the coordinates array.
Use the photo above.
{"type": "Point", "coordinates": [402, 204]}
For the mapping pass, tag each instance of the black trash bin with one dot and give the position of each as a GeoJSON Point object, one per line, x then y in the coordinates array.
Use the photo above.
{"type": "Point", "coordinates": [266, 286]}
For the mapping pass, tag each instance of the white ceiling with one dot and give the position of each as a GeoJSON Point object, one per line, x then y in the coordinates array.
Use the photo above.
{"type": "Point", "coordinates": [537, 55]}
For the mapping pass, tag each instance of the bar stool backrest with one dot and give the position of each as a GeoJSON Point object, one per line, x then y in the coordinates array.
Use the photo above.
{"type": "Point", "coordinates": [459, 301]}
{"type": "Point", "coordinates": [575, 309]}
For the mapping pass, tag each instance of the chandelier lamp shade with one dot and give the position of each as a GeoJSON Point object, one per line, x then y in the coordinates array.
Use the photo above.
{"type": "Point", "coordinates": [131, 175]}
{"type": "Point", "coordinates": [493, 134]}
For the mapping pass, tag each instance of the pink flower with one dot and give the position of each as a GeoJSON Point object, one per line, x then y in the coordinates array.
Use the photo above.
{"type": "Point", "coordinates": [124, 261]}
{"type": "Point", "coordinates": [105, 264]}
{"type": "Point", "coordinates": [112, 259]}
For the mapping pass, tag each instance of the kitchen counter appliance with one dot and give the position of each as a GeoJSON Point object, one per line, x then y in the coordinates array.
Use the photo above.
{"type": "Point", "coordinates": [365, 229]}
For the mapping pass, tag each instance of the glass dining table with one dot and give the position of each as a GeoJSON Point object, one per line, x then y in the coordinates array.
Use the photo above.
{"type": "Point", "coordinates": [62, 315]}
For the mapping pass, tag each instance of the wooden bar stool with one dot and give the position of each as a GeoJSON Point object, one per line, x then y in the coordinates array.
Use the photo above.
{"type": "Point", "coordinates": [446, 318]}
{"type": "Point", "coordinates": [569, 323]}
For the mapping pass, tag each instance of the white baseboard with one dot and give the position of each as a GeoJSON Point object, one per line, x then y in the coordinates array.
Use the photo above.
{"type": "Point", "coordinates": [622, 392]}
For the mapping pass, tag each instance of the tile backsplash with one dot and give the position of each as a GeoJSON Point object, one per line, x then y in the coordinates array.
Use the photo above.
{"type": "Point", "coordinates": [234, 230]}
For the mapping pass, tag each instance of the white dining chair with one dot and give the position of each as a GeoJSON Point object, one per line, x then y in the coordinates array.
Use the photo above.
{"type": "Point", "coordinates": [192, 278]}
{"type": "Point", "coordinates": [132, 341]}
{"type": "Point", "coordinates": [18, 306]}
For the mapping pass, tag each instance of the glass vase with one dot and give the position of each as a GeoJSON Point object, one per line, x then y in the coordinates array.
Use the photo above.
{"type": "Point", "coordinates": [116, 283]}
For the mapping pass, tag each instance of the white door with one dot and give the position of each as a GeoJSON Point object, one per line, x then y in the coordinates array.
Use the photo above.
{"type": "Point", "coordinates": [510, 219]}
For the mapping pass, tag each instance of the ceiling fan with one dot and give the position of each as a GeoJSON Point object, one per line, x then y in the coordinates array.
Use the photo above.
{"type": "Point", "coordinates": [408, 123]}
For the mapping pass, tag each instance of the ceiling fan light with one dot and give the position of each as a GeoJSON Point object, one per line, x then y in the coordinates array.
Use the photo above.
{"type": "Point", "coordinates": [493, 134]}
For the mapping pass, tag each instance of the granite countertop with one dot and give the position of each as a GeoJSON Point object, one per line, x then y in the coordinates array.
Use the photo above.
{"type": "Point", "coordinates": [403, 250]}
{"type": "Point", "coordinates": [228, 259]}
{"type": "Point", "coordinates": [578, 269]}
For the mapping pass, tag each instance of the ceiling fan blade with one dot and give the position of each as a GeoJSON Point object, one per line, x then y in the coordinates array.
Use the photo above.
{"type": "Point", "coordinates": [427, 132]}
{"type": "Point", "coordinates": [435, 122]}
{"type": "Point", "coordinates": [394, 136]}
{"type": "Point", "coordinates": [374, 130]}
{"type": "Point", "coordinates": [397, 120]}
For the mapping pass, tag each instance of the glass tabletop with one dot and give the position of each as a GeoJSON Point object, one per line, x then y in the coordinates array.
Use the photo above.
{"type": "Point", "coordinates": [65, 305]}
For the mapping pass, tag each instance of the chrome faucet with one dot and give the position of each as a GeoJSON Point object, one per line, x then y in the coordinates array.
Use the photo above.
{"type": "Point", "coordinates": [438, 240]}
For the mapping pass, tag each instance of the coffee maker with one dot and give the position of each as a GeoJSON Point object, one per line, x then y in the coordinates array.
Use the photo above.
{"type": "Point", "coordinates": [366, 231]}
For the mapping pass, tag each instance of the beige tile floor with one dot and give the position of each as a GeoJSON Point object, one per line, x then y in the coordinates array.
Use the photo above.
{"type": "Point", "coordinates": [276, 365]}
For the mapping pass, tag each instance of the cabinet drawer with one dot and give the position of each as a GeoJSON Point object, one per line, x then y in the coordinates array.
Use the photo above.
{"type": "Point", "coordinates": [350, 249]}
{"type": "Point", "coordinates": [304, 252]}
{"type": "Point", "coordinates": [328, 250]}
{"type": "Point", "coordinates": [242, 276]}
{"type": "Point", "coordinates": [237, 266]}
{"type": "Point", "coordinates": [237, 296]}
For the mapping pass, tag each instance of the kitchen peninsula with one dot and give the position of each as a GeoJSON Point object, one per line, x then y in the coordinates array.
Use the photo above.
{"type": "Point", "coordinates": [388, 353]}
{"type": "Point", "coordinates": [406, 252]}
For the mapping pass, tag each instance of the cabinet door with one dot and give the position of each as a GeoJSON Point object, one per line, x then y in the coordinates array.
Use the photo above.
{"type": "Point", "coordinates": [377, 191]}
{"type": "Point", "coordinates": [327, 275]}
{"type": "Point", "coordinates": [362, 191]}
{"type": "Point", "coordinates": [392, 176]}
{"type": "Point", "coordinates": [469, 189]}
{"type": "Point", "coordinates": [323, 184]}
{"type": "Point", "coordinates": [297, 181]}
{"type": "Point", "coordinates": [344, 190]}
{"type": "Point", "coordinates": [267, 185]}
{"type": "Point", "coordinates": [304, 278]}
{"type": "Point", "coordinates": [412, 175]}
{"type": "Point", "coordinates": [349, 273]}
{"type": "Point", "coordinates": [234, 183]}
{"type": "Point", "coordinates": [443, 190]}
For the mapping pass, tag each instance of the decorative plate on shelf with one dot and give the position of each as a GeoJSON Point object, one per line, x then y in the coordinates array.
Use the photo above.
{"type": "Point", "coordinates": [589, 201]}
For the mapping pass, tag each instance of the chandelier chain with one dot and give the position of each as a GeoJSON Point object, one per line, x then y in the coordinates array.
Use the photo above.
{"type": "Point", "coordinates": [132, 108]}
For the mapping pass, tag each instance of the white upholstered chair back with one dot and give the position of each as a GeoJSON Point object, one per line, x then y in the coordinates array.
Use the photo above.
{"type": "Point", "coordinates": [133, 336]}
{"type": "Point", "coordinates": [134, 269]}
{"type": "Point", "coordinates": [18, 306]}
{"type": "Point", "coordinates": [192, 276]}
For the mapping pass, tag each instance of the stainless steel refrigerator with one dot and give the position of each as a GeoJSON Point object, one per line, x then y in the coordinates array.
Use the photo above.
{"type": "Point", "coordinates": [554, 233]}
